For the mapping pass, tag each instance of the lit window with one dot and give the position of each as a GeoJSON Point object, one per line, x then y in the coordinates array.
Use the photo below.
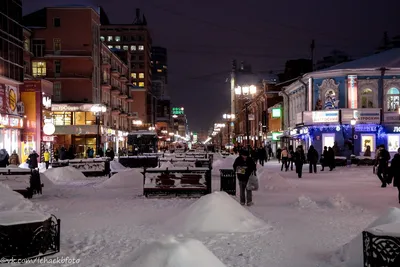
{"type": "Point", "coordinates": [118, 38]}
{"type": "Point", "coordinates": [110, 46]}
{"type": "Point", "coordinates": [133, 47]}
{"type": "Point", "coordinates": [118, 46]}
{"type": "Point", "coordinates": [141, 75]}
{"type": "Point", "coordinates": [367, 98]}
{"type": "Point", "coordinates": [159, 70]}
{"type": "Point", "coordinates": [165, 67]}
{"type": "Point", "coordinates": [102, 38]}
{"type": "Point", "coordinates": [134, 83]}
{"type": "Point", "coordinates": [109, 38]}
{"type": "Point", "coordinates": [141, 47]}
{"type": "Point", "coordinates": [393, 99]}
{"type": "Point", "coordinates": [125, 47]}
{"type": "Point", "coordinates": [38, 68]}
{"type": "Point", "coordinates": [133, 75]}
{"type": "Point", "coordinates": [141, 84]}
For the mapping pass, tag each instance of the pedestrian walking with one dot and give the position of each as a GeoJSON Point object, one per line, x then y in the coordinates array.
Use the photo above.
{"type": "Point", "coordinates": [46, 156]}
{"type": "Point", "coordinates": [284, 159]}
{"type": "Point", "coordinates": [312, 157]}
{"type": "Point", "coordinates": [394, 172]}
{"type": "Point", "coordinates": [244, 166]}
{"type": "Point", "coordinates": [299, 159]}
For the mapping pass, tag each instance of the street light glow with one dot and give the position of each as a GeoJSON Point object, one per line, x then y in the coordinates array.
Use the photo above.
{"type": "Point", "coordinates": [246, 90]}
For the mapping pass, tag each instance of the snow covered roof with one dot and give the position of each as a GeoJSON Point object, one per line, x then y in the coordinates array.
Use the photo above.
{"type": "Point", "coordinates": [389, 59]}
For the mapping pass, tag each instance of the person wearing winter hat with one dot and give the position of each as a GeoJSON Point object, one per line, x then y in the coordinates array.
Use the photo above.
{"type": "Point", "coordinates": [244, 166]}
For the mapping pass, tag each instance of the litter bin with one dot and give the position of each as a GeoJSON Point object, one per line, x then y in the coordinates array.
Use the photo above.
{"type": "Point", "coordinates": [228, 181]}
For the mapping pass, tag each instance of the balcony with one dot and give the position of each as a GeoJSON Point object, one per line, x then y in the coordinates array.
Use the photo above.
{"type": "Point", "coordinates": [123, 78]}
{"type": "Point", "coordinates": [115, 72]}
{"type": "Point", "coordinates": [115, 111]}
{"type": "Point", "coordinates": [106, 62]}
{"type": "Point", "coordinates": [115, 90]}
{"type": "Point", "coordinates": [105, 85]}
{"type": "Point", "coordinates": [129, 99]}
{"type": "Point", "coordinates": [122, 96]}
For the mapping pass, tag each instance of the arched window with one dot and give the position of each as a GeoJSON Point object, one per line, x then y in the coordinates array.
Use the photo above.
{"type": "Point", "coordinates": [393, 99]}
{"type": "Point", "coordinates": [367, 98]}
{"type": "Point", "coordinates": [330, 100]}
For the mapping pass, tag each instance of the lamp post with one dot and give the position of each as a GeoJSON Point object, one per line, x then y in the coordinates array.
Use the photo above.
{"type": "Point", "coordinates": [247, 92]}
{"type": "Point", "coordinates": [98, 110]}
{"type": "Point", "coordinates": [229, 118]}
{"type": "Point", "coordinates": [353, 122]}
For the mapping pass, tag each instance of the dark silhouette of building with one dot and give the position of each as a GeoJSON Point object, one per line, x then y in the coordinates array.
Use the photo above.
{"type": "Point", "coordinates": [159, 59]}
{"type": "Point", "coordinates": [295, 68]}
{"type": "Point", "coordinates": [336, 57]}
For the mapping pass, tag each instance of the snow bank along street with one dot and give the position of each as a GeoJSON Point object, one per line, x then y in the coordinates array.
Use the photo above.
{"type": "Point", "coordinates": [313, 221]}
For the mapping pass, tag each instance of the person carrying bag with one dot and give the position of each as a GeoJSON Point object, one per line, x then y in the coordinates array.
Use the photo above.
{"type": "Point", "coordinates": [245, 167]}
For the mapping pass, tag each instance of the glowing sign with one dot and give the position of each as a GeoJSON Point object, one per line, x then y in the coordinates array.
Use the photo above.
{"type": "Point", "coordinates": [177, 111]}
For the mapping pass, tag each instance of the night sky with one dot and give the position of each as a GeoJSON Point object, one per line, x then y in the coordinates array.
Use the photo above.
{"type": "Point", "coordinates": [202, 38]}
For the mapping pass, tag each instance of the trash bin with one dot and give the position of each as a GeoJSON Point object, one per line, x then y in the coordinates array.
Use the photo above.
{"type": "Point", "coordinates": [228, 181]}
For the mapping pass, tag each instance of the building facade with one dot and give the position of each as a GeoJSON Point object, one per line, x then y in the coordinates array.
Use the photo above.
{"type": "Point", "coordinates": [136, 39]}
{"type": "Point", "coordinates": [11, 75]}
{"type": "Point", "coordinates": [320, 107]}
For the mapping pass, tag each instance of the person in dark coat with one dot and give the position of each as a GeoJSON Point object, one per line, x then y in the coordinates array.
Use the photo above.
{"type": "Point", "coordinates": [110, 153]}
{"type": "Point", "coordinates": [56, 154]}
{"type": "Point", "coordinates": [291, 157]}
{"type": "Point", "coordinates": [324, 158]}
{"type": "Point", "coordinates": [312, 157]}
{"type": "Point", "coordinates": [244, 166]}
{"type": "Point", "coordinates": [394, 173]}
{"type": "Point", "coordinates": [33, 160]}
{"type": "Point", "coordinates": [269, 152]}
{"type": "Point", "coordinates": [100, 152]}
{"type": "Point", "coordinates": [261, 154]}
{"type": "Point", "coordinates": [383, 161]}
{"type": "Point", "coordinates": [299, 159]}
{"type": "Point", "coordinates": [4, 157]}
{"type": "Point", "coordinates": [63, 154]}
{"type": "Point", "coordinates": [278, 154]}
{"type": "Point", "coordinates": [331, 158]}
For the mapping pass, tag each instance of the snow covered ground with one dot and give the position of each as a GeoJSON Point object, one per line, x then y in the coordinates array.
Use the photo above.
{"type": "Point", "coordinates": [308, 220]}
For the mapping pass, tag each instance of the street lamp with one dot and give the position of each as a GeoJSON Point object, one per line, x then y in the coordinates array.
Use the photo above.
{"type": "Point", "coordinates": [98, 110]}
{"type": "Point", "coordinates": [229, 118]}
{"type": "Point", "coordinates": [152, 128]}
{"type": "Point", "coordinates": [353, 122]}
{"type": "Point", "coordinates": [247, 92]}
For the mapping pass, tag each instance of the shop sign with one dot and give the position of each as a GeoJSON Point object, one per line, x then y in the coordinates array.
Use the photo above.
{"type": "Point", "coordinates": [48, 138]}
{"type": "Point", "coordinates": [178, 111]}
{"type": "Point", "coordinates": [391, 117]}
{"type": "Point", "coordinates": [361, 115]}
{"type": "Point", "coordinates": [12, 122]}
{"type": "Point", "coordinates": [276, 112]}
{"type": "Point", "coordinates": [293, 132]}
{"type": "Point", "coordinates": [276, 136]}
{"type": "Point", "coordinates": [251, 117]}
{"type": "Point", "coordinates": [314, 117]}
{"type": "Point", "coordinates": [366, 128]}
{"type": "Point", "coordinates": [49, 128]}
{"type": "Point", "coordinates": [46, 101]}
{"type": "Point", "coordinates": [71, 107]}
{"type": "Point", "coordinates": [396, 129]}
{"type": "Point", "coordinates": [352, 89]}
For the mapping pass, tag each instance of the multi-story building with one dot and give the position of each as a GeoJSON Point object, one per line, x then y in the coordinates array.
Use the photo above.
{"type": "Point", "coordinates": [350, 107]}
{"type": "Point", "coordinates": [136, 39]}
{"type": "Point", "coordinates": [66, 50]}
{"type": "Point", "coordinates": [11, 74]}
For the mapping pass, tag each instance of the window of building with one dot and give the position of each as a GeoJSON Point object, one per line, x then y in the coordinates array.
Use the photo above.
{"type": "Point", "coordinates": [118, 46]}
{"type": "Point", "coordinates": [141, 58]}
{"type": "Point", "coordinates": [38, 68]}
{"type": "Point", "coordinates": [62, 118]}
{"type": "Point", "coordinates": [141, 75]}
{"type": "Point", "coordinates": [38, 47]}
{"type": "Point", "coordinates": [27, 44]}
{"type": "Point", "coordinates": [134, 83]}
{"type": "Point", "coordinates": [57, 68]}
{"type": "Point", "coordinates": [57, 44]}
{"type": "Point", "coordinates": [133, 75]}
{"type": "Point", "coordinates": [133, 47]}
{"type": "Point", "coordinates": [57, 91]}
{"type": "Point", "coordinates": [109, 38]}
{"type": "Point", "coordinates": [125, 47]}
{"type": "Point", "coordinates": [159, 70]}
{"type": "Point", "coordinates": [367, 98]}
{"type": "Point", "coordinates": [118, 38]}
{"type": "Point", "coordinates": [110, 47]}
{"type": "Point", "coordinates": [393, 99]}
{"type": "Point", "coordinates": [141, 84]}
{"type": "Point", "coordinates": [102, 38]}
{"type": "Point", "coordinates": [141, 47]}
{"type": "Point", "coordinates": [57, 22]}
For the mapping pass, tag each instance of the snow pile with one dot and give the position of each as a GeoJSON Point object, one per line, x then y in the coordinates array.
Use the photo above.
{"type": "Point", "coordinates": [13, 201]}
{"type": "Point", "coordinates": [352, 253]}
{"type": "Point", "coordinates": [123, 179]}
{"type": "Point", "coordinates": [172, 252]}
{"type": "Point", "coordinates": [225, 163]}
{"type": "Point", "coordinates": [115, 166]}
{"type": "Point", "coordinates": [305, 202]}
{"type": "Point", "coordinates": [64, 175]}
{"type": "Point", "coordinates": [166, 164]}
{"type": "Point", "coordinates": [273, 181]}
{"type": "Point", "coordinates": [216, 212]}
{"type": "Point", "coordinates": [339, 202]}
{"type": "Point", "coordinates": [24, 165]}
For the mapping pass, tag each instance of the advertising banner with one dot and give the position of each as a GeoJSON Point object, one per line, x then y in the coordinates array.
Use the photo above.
{"type": "Point", "coordinates": [352, 91]}
{"type": "Point", "coordinates": [366, 115]}
{"type": "Point", "coordinates": [321, 117]}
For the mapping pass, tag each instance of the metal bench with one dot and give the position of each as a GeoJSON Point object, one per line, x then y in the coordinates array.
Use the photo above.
{"type": "Point", "coordinates": [24, 181]}
{"type": "Point", "coordinates": [89, 167]}
{"type": "Point", "coordinates": [381, 251]}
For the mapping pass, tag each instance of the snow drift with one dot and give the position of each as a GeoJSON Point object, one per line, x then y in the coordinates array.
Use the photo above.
{"type": "Point", "coordinates": [352, 253]}
{"type": "Point", "coordinates": [115, 166]}
{"type": "Point", "coordinates": [171, 252]}
{"type": "Point", "coordinates": [166, 164]}
{"type": "Point", "coordinates": [64, 175]}
{"type": "Point", "coordinates": [216, 212]}
{"type": "Point", "coordinates": [123, 179]}
{"type": "Point", "coordinates": [273, 181]}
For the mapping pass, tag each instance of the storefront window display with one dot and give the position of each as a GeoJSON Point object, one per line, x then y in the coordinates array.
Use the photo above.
{"type": "Point", "coordinates": [9, 139]}
{"type": "Point", "coordinates": [393, 142]}
{"type": "Point", "coordinates": [367, 140]}
{"type": "Point", "coordinates": [82, 143]}
{"type": "Point", "coordinates": [393, 99]}
{"type": "Point", "coordinates": [62, 118]}
{"type": "Point", "coordinates": [328, 140]}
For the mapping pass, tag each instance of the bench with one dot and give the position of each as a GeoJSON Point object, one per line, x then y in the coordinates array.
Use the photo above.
{"type": "Point", "coordinates": [187, 162]}
{"type": "Point", "coordinates": [23, 181]}
{"type": "Point", "coordinates": [139, 161]}
{"type": "Point", "coordinates": [27, 234]}
{"type": "Point", "coordinates": [172, 182]}
{"type": "Point", "coordinates": [89, 167]}
{"type": "Point", "coordinates": [382, 250]}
